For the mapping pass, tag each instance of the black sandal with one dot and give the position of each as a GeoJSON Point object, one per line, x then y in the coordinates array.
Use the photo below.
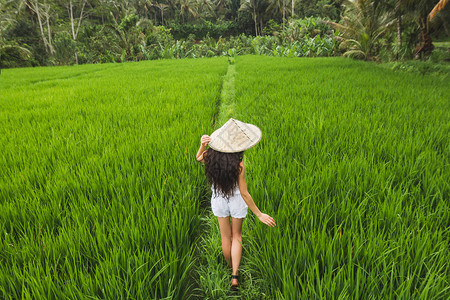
{"type": "Point", "coordinates": [235, 287]}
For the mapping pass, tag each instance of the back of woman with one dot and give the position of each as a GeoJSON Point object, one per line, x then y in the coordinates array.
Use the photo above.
{"type": "Point", "coordinates": [225, 171]}
{"type": "Point", "coordinates": [222, 171]}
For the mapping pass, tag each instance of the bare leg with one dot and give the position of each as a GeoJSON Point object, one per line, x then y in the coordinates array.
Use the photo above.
{"type": "Point", "coordinates": [225, 233]}
{"type": "Point", "coordinates": [236, 246]}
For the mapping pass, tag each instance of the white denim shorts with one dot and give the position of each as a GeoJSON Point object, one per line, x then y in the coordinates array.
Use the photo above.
{"type": "Point", "coordinates": [235, 206]}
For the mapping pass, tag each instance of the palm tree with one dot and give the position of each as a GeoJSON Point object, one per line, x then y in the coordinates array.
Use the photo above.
{"type": "Point", "coordinates": [130, 32]}
{"type": "Point", "coordinates": [439, 6]}
{"type": "Point", "coordinates": [9, 49]}
{"type": "Point", "coordinates": [147, 6]}
{"type": "Point", "coordinates": [221, 7]}
{"type": "Point", "coordinates": [188, 7]}
{"type": "Point", "coordinates": [364, 22]}
{"type": "Point", "coordinates": [153, 8]}
{"type": "Point", "coordinates": [162, 7]}
{"type": "Point", "coordinates": [257, 9]}
{"type": "Point", "coordinates": [418, 10]}
{"type": "Point", "coordinates": [279, 7]}
{"type": "Point", "coordinates": [398, 12]}
{"type": "Point", "coordinates": [423, 11]}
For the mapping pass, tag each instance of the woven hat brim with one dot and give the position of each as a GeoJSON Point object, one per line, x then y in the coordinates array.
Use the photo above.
{"type": "Point", "coordinates": [218, 144]}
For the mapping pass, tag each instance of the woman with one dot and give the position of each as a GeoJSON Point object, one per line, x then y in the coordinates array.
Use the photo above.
{"type": "Point", "coordinates": [225, 171]}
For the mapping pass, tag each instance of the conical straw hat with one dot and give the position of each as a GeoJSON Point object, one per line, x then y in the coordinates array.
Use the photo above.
{"type": "Point", "coordinates": [235, 136]}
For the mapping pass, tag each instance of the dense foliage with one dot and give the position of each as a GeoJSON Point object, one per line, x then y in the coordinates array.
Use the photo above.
{"type": "Point", "coordinates": [61, 32]}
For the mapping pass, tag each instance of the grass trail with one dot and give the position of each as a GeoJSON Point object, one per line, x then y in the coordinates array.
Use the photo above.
{"type": "Point", "coordinates": [213, 272]}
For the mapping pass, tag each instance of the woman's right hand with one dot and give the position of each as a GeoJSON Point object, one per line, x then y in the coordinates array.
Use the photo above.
{"type": "Point", "coordinates": [205, 140]}
{"type": "Point", "coordinates": [268, 220]}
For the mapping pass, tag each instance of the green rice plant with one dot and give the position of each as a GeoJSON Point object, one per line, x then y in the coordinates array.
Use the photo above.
{"type": "Point", "coordinates": [354, 167]}
{"type": "Point", "coordinates": [99, 194]}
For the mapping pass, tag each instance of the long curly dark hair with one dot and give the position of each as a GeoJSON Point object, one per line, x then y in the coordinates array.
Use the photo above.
{"type": "Point", "coordinates": [222, 170]}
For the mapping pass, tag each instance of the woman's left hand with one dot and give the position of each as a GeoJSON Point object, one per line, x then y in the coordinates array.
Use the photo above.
{"type": "Point", "coordinates": [205, 140]}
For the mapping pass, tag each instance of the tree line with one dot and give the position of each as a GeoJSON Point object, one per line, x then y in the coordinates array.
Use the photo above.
{"type": "Point", "coordinates": [56, 32]}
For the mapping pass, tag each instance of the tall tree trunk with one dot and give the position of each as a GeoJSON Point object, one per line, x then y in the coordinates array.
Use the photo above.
{"type": "Point", "coordinates": [34, 7]}
{"type": "Point", "coordinates": [425, 46]}
{"type": "Point", "coordinates": [399, 34]}
{"type": "Point", "coordinates": [255, 18]}
{"type": "Point", "coordinates": [260, 25]}
{"type": "Point", "coordinates": [49, 31]}
{"type": "Point", "coordinates": [73, 29]}
{"type": "Point", "coordinates": [444, 24]}
{"type": "Point", "coordinates": [71, 19]}
{"type": "Point", "coordinates": [72, 23]}
{"type": "Point", "coordinates": [41, 27]}
{"type": "Point", "coordinates": [399, 26]}
{"type": "Point", "coordinates": [293, 8]}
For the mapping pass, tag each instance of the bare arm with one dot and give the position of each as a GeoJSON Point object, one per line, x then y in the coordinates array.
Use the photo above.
{"type": "Point", "coordinates": [203, 142]}
{"type": "Point", "coordinates": [266, 219]}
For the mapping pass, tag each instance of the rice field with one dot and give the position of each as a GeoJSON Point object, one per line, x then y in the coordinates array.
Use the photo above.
{"type": "Point", "coordinates": [101, 196]}
{"type": "Point", "coordinates": [98, 189]}
{"type": "Point", "coordinates": [354, 165]}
